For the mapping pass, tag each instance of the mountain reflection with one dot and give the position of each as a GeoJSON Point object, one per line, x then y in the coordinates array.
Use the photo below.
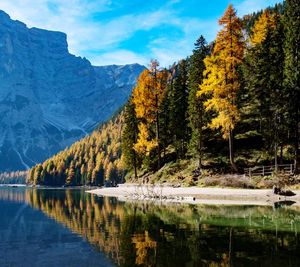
{"type": "Point", "coordinates": [144, 234]}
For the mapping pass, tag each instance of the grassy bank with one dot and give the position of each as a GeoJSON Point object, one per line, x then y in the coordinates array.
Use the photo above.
{"type": "Point", "coordinates": [185, 173]}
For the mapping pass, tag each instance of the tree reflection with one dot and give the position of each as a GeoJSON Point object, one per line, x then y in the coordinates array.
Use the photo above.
{"type": "Point", "coordinates": [175, 235]}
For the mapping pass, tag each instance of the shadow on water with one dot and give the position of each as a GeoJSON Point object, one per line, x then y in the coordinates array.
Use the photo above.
{"type": "Point", "coordinates": [144, 234]}
{"type": "Point", "coordinates": [285, 203]}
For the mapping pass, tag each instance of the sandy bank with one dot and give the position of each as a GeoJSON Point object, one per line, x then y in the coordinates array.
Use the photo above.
{"type": "Point", "coordinates": [196, 195]}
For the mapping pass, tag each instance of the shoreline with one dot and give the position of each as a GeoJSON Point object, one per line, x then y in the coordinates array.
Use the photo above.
{"type": "Point", "coordinates": [196, 195]}
{"type": "Point", "coordinates": [13, 185]}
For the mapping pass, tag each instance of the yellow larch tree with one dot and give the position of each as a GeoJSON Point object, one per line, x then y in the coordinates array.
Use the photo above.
{"type": "Point", "coordinates": [263, 25]}
{"type": "Point", "coordinates": [147, 97]}
{"type": "Point", "coordinates": [221, 82]}
{"type": "Point", "coordinates": [144, 144]}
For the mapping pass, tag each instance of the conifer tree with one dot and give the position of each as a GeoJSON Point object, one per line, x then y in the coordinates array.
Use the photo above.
{"type": "Point", "coordinates": [70, 174]}
{"type": "Point", "coordinates": [196, 112]}
{"type": "Point", "coordinates": [277, 95]}
{"type": "Point", "coordinates": [292, 72]}
{"type": "Point", "coordinates": [264, 76]}
{"type": "Point", "coordinates": [257, 71]}
{"type": "Point", "coordinates": [129, 138]}
{"type": "Point", "coordinates": [178, 103]}
{"type": "Point", "coordinates": [147, 98]}
{"type": "Point", "coordinates": [82, 174]}
{"type": "Point", "coordinates": [164, 120]}
{"type": "Point", "coordinates": [37, 174]}
{"type": "Point", "coordinates": [222, 81]}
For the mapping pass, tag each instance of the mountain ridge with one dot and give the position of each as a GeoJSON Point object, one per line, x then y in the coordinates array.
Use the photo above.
{"type": "Point", "coordinates": [50, 98]}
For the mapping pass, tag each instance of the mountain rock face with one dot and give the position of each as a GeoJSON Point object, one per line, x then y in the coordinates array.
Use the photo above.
{"type": "Point", "coordinates": [48, 97]}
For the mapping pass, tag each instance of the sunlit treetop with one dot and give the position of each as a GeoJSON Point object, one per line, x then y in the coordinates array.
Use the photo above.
{"type": "Point", "coordinates": [264, 24]}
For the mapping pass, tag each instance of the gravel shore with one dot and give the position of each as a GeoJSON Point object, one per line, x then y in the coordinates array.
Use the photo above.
{"type": "Point", "coordinates": [196, 195]}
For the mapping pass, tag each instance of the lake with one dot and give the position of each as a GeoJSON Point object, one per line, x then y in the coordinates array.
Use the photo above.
{"type": "Point", "coordinates": [68, 227]}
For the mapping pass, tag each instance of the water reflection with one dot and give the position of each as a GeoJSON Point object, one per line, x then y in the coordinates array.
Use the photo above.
{"type": "Point", "coordinates": [28, 238]}
{"type": "Point", "coordinates": [134, 234]}
{"type": "Point", "coordinates": [12, 195]}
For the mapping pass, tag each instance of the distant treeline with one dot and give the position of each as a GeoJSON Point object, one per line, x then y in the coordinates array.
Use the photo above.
{"type": "Point", "coordinates": [17, 177]}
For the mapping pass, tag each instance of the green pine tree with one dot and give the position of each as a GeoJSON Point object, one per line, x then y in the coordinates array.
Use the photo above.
{"type": "Point", "coordinates": [178, 101]}
{"type": "Point", "coordinates": [263, 76]}
{"type": "Point", "coordinates": [292, 72]}
{"type": "Point", "coordinates": [129, 138]}
{"type": "Point", "coordinates": [196, 113]}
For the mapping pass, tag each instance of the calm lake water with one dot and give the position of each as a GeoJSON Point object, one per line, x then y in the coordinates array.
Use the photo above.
{"type": "Point", "coordinates": [57, 227]}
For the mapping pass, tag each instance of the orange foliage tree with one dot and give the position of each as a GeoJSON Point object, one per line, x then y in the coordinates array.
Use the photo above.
{"type": "Point", "coordinates": [222, 78]}
{"type": "Point", "coordinates": [263, 25]}
{"type": "Point", "coordinates": [147, 98]}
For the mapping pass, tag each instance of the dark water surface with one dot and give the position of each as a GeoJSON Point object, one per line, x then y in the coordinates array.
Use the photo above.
{"type": "Point", "coordinates": [61, 227]}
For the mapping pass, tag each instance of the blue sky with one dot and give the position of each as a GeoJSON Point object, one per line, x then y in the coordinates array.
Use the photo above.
{"type": "Point", "coordinates": [129, 31]}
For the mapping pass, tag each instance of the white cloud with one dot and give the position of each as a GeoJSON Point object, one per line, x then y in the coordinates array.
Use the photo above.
{"type": "Point", "coordinates": [124, 27]}
{"type": "Point", "coordinates": [119, 57]}
{"type": "Point", "coordinates": [169, 50]}
{"type": "Point", "coordinates": [74, 18]}
{"type": "Point", "coordinates": [67, 16]}
{"type": "Point", "coordinates": [86, 36]}
{"type": "Point", "coordinates": [250, 6]}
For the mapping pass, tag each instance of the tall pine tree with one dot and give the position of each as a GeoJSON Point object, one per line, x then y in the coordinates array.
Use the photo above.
{"type": "Point", "coordinates": [129, 138]}
{"type": "Point", "coordinates": [196, 114]}
{"type": "Point", "coordinates": [178, 101]}
{"type": "Point", "coordinates": [263, 75]}
{"type": "Point", "coordinates": [292, 72]}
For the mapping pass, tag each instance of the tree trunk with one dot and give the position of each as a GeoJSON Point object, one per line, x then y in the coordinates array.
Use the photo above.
{"type": "Point", "coordinates": [200, 148]}
{"type": "Point", "coordinates": [134, 153]}
{"type": "Point", "coordinates": [276, 126]}
{"type": "Point", "coordinates": [231, 152]}
{"type": "Point", "coordinates": [296, 149]}
{"type": "Point", "coordinates": [281, 153]}
{"type": "Point", "coordinates": [157, 136]}
{"type": "Point", "coordinates": [200, 140]}
{"type": "Point", "coordinates": [275, 156]}
{"type": "Point", "coordinates": [135, 167]}
{"type": "Point", "coordinates": [200, 163]}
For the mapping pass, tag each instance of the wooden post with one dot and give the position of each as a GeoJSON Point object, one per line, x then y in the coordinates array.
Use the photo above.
{"type": "Point", "coordinates": [263, 170]}
{"type": "Point", "coordinates": [276, 158]}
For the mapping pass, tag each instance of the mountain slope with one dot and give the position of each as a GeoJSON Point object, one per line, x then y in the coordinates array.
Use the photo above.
{"type": "Point", "coordinates": [48, 97]}
{"type": "Point", "coordinates": [91, 161]}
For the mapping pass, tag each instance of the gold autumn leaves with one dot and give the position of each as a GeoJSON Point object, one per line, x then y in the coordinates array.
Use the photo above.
{"type": "Point", "coordinates": [222, 78]}
{"type": "Point", "coordinates": [265, 22]}
{"type": "Point", "coordinates": [147, 97]}
{"type": "Point", "coordinates": [220, 85]}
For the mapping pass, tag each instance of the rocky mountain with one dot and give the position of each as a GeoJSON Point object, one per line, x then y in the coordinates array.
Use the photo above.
{"type": "Point", "coordinates": [50, 98]}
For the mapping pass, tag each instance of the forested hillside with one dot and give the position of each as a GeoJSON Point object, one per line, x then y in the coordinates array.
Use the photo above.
{"type": "Point", "coordinates": [234, 103]}
{"type": "Point", "coordinates": [90, 161]}
{"type": "Point", "coordinates": [242, 90]}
